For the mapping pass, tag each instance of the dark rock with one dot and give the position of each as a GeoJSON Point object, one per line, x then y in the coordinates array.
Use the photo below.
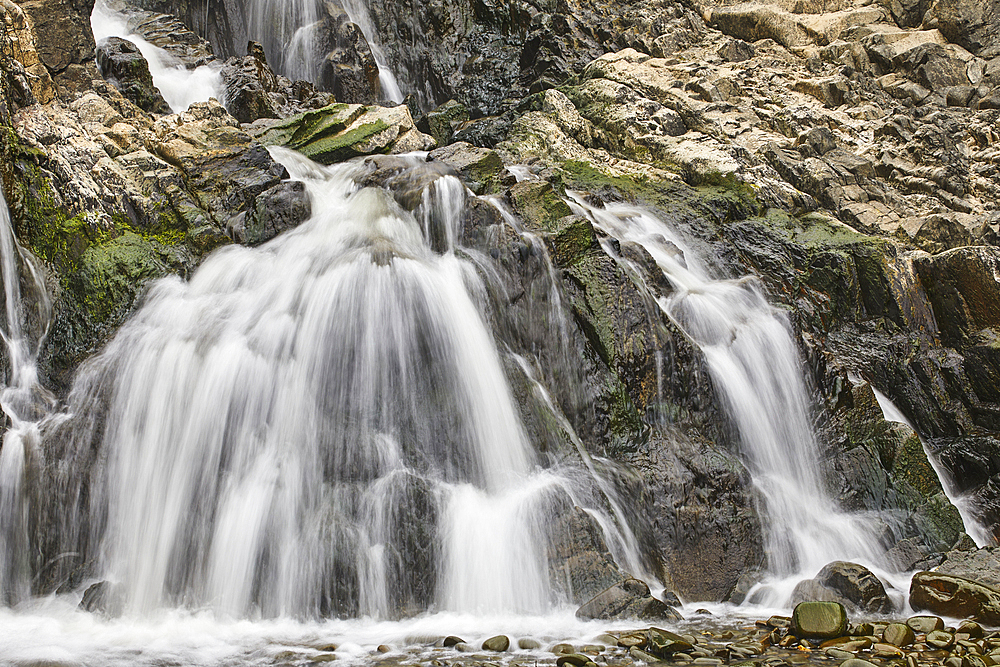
{"type": "Point", "coordinates": [956, 597]}
{"type": "Point", "coordinates": [249, 81]}
{"type": "Point", "coordinates": [274, 211]}
{"type": "Point", "coordinates": [62, 31]}
{"type": "Point", "coordinates": [481, 168]}
{"type": "Point", "coordinates": [963, 290]}
{"type": "Point", "coordinates": [819, 620]}
{"type": "Point", "coordinates": [451, 640]}
{"type": "Point", "coordinates": [574, 659]}
{"type": "Point", "coordinates": [629, 599]}
{"type": "Point", "coordinates": [442, 121]}
{"type": "Point", "coordinates": [904, 555]}
{"type": "Point", "coordinates": [124, 67]}
{"type": "Point", "coordinates": [736, 51]}
{"type": "Point", "coordinates": [580, 565]}
{"type": "Point", "coordinates": [973, 24]}
{"type": "Point", "coordinates": [664, 644]}
{"type": "Point", "coordinates": [349, 70]}
{"type": "Point", "coordinates": [857, 584]}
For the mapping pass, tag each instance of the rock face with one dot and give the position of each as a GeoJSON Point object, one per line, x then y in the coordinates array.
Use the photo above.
{"type": "Point", "coordinates": [954, 596]}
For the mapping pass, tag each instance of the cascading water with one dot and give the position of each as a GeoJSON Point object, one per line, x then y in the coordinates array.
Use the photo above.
{"type": "Point", "coordinates": [179, 86]}
{"type": "Point", "coordinates": [289, 32]}
{"type": "Point", "coordinates": [755, 365]}
{"type": "Point", "coordinates": [23, 402]}
{"type": "Point", "coordinates": [319, 426]}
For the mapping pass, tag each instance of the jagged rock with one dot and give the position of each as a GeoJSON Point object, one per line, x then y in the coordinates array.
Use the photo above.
{"type": "Point", "coordinates": [963, 290]}
{"type": "Point", "coordinates": [274, 211]}
{"type": "Point", "coordinates": [954, 596]}
{"type": "Point", "coordinates": [626, 600]}
{"type": "Point", "coordinates": [819, 620]}
{"type": "Point", "coordinates": [973, 24]}
{"type": "Point", "coordinates": [980, 565]}
{"type": "Point", "coordinates": [342, 131]}
{"type": "Point", "coordinates": [348, 69]}
{"type": "Point", "coordinates": [126, 68]}
{"type": "Point", "coordinates": [61, 31]}
{"type": "Point", "coordinates": [249, 82]}
{"type": "Point", "coordinates": [442, 121]}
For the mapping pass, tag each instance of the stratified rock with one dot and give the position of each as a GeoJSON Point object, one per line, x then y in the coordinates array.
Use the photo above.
{"type": "Point", "coordinates": [963, 289]}
{"type": "Point", "coordinates": [628, 599]}
{"type": "Point", "coordinates": [124, 67]}
{"type": "Point", "coordinates": [341, 131]}
{"type": "Point", "coordinates": [953, 596]}
{"type": "Point", "coordinates": [819, 620]}
{"type": "Point", "coordinates": [249, 81]}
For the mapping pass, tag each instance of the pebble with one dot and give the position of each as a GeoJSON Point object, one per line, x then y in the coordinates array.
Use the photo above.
{"type": "Point", "coordinates": [498, 643]}
{"type": "Point", "coordinates": [528, 644]}
{"type": "Point", "coordinates": [560, 649]}
{"type": "Point", "coordinates": [382, 648]}
{"type": "Point", "coordinates": [451, 640]}
{"type": "Point", "coordinates": [574, 659]}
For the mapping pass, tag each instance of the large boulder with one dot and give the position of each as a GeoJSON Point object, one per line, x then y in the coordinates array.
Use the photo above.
{"type": "Point", "coordinates": [348, 69]}
{"type": "Point", "coordinates": [341, 131]}
{"type": "Point", "coordinates": [857, 584]}
{"type": "Point", "coordinates": [956, 597]}
{"type": "Point", "coordinates": [125, 67]}
{"type": "Point", "coordinates": [629, 599]}
{"type": "Point", "coordinates": [249, 82]}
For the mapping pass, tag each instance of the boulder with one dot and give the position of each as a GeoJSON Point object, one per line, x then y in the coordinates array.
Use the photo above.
{"type": "Point", "coordinates": [629, 599]}
{"type": "Point", "coordinates": [857, 584]}
{"type": "Point", "coordinates": [481, 168]}
{"type": "Point", "coordinates": [979, 565]}
{"type": "Point", "coordinates": [339, 132]}
{"type": "Point", "coordinates": [898, 634]}
{"type": "Point", "coordinates": [953, 596]}
{"type": "Point", "coordinates": [274, 211]}
{"type": "Point", "coordinates": [348, 69]}
{"type": "Point", "coordinates": [924, 624]}
{"type": "Point", "coordinates": [124, 67]}
{"type": "Point", "coordinates": [819, 620]}
{"type": "Point", "coordinates": [499, 643]}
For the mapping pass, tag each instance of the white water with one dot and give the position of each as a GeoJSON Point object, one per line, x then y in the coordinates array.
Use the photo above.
{"type": "Point", "coordinates": [179, 86]}
{"type": "Point", "coordinates": [287, 30]}
{"type": "Point", "coordinates": [756, 369]}
{"type": "Point", "coordinates": [974, 528]}
{"type": "Point", "coordinates": [23, 402]}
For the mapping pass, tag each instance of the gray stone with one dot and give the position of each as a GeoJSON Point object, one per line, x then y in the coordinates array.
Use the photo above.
{"type": "Point", "coordinates": [819, 620]}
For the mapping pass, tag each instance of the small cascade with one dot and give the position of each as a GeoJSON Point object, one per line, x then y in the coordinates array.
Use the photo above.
{"type": "Point", "coordinates": [973, 527]}
{"type": "Point", "coordinates": [289, 32]}
{"type": "Point", "coordinates": [179, 86]}
{"type": "Point", "coordinates": [321, 426]}
{"type": "Point", "coordinates": [23, 402]}
{"type": "Point", "coordinates": [755, 366]}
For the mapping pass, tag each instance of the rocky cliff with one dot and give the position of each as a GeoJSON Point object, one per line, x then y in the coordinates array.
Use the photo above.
{"type": "Point", "coordinates": [844, 152]}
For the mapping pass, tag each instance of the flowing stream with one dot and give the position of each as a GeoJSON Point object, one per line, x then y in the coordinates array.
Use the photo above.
{"type": "Point", "coordinates": [289, 31]}
{"type": "Point", "coordinates": [755, 366]}
{"type": "Point", "coordinates": [179, 86]}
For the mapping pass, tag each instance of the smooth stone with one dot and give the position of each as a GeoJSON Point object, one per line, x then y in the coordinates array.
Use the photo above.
{"type": "Point", "coordinates": [639, 654]}
{"type": "Point", "coordinates": [591, 649]}
{"type": "Point", "coordinates": [574, 659]}
{"type": "Point", "coordinates": [887, 651]}
{"type": "Point", "coordinates": [819, 620]}
{"type": "Point", "coordinates": [451, 640]}
{"type": "Point", "coordinates": [323, 657]}
{"type": "Point", "coordinates": [382, 648]}
{"type": "Point", "coordinates": [561, 649]}
{"type": "Point", "coordinates": [462, 647]}
{"type": "Point", "coordinates": [898, 634]}
{"type": "Point", "coordinates": [630, 639]}
{"type": "Point", "coordinates": [528, 644]}
{"type": "Point", "coordinates": [664, 643]}
{"type": "Point", "coordinates": [839, 654]}
{"type": "Point", "coordinates": [779, 621]}
{"type": "Point", "coordinates": [940, 639]}
{"type": "Point", "coordinates": [971, 628]}
{"type": "Point", "coordinates": [498, 644]}
{"type": "Point", "coordinates": [863, 630]}
{"type": "Point", "coordinates": [707, 661]}
{"type": "Point", "coordinates": [925, 624]}
{"type": "Point", "coordinates": [606, 639]}
{"type": "Point", "coordinates": [857, 662]}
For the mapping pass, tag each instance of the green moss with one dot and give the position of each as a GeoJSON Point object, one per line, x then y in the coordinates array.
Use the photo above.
{"type": "Point", "coordinates": [539, 205]}
{"type": "Point", "coordinates": [111, 275]}
{"type": "Point", "coordinates": [339, 147]}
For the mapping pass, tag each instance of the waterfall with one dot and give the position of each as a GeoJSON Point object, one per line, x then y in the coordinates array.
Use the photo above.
{"type": "Point", "coordinates": [319, 426]}
{"type": "Point", "coordinates": [288, 31]}
{"type": "Point", "coordinates": [179, 86]}
{"type": "Point", "coordinates": [755, 366]}
{"type": "Point", "coordinates": [23, 402]}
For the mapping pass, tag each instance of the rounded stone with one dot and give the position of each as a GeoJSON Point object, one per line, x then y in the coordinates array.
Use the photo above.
{"type": "Point", "coordinates": [573, 659]}
{"type": "Point", "coordinates": [898, 634]}
{"type": "Point", "coordinates": [819, 620]}
{"type": "Point", "coordinates": [499, 643]}
{"type": "Point", "coordinates": [940, 639]}
{"type": "Point", "coordinates": [528, 644]}
{"type": "Point", "coordinates": [925, 624]}
{"type": "Point", "coordinates": [451, 640]}
{"type": "Point", "coordinates": [856, 662]}
{"type": "Point", "coordinates": [561, 649]}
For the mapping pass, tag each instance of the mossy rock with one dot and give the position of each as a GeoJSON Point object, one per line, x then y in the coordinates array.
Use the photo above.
{"type": "Point", "coordinates": [819, 620]}
{"type": "Point", "coordinates": [539, 205]}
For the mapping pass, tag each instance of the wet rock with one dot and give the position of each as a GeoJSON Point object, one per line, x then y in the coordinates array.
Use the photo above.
{"type": "Point", "coordinates": [580, 565]}
{"type": "Point", "coordinates": [628, 599]}
{"type": "Point", "coordinates": [819, 620]}
{"type": "Point", "coordinates": [664, 644]}
{"type": "Point", "coordinates": [481, 168]}
{"type": "Point", "coordinates": [499, 643]}
{"type": "Point", "coordinates": [274, 211]}
{"type": "Point", "coordinates": [442, 122]}
{"type": "Point", "coordinates": [249, 82]}
{"type": "Point", "coordinates": [574, 659]}
{"type": "Point", "coordinates": [940, 639]}
{"type": "Point", "coordinates": [857, 584]}
{"type": "Point", "coordinates": [898, 634]}
{"type": "Point", "coordinates": [979, 565]}
{"type": "Point", "coordinates": [341, 131]}
{"type": "Point", "coordinates": [924, 624]}
{"type": "Point", "coordinates": [963, 289]}
{"type": "Point", "coordinates": [124, 67]}
{"type": "Point", "coordinates": [528, 644]}
{"type": "Point", "coordinates": [348, 70]}
{"type": "Point", "coordinates": [953, 596]}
